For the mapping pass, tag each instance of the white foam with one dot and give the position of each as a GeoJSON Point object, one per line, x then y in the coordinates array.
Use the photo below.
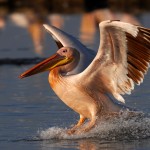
{"type": "Point", "coordinates": [121, 128]}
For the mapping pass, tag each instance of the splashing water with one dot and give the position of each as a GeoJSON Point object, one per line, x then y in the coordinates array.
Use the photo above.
{"type": "Point", "coordinates": [124, 127]}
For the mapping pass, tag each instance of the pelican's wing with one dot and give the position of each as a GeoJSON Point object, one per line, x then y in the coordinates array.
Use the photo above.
{"type": "Point", "coordinates": [64, 39]}
{"type": "Point", "coordinates": [122, 59]}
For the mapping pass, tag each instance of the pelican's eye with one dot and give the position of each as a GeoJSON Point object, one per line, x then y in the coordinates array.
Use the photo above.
{"type": "Point", "coordinates": [64, 51]}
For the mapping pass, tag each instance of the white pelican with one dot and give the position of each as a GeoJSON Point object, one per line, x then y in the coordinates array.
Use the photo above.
{"type": "Point", "coordinates": [83, 83]}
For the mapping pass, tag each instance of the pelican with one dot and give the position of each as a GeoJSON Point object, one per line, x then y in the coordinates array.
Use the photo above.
{"type": "Point", "coordinates": [93, 84]}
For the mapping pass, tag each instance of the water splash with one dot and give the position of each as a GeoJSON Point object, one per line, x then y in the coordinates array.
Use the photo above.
{"type": "Point", "coordinates": [124, 127]}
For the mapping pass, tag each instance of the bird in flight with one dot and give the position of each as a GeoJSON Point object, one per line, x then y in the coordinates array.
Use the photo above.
{"type": "Point", "coordinates": [84, 80]}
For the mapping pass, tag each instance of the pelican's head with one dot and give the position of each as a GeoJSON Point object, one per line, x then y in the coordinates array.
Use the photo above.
{"type": "Point", "coordinates": [66, 58]}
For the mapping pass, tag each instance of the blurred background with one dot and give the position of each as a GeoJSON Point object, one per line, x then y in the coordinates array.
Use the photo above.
{"type": "Point", "coordinates": [22, 34]}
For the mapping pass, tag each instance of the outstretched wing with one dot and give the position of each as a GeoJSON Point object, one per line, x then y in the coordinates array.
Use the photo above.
{"type": "Point", "coordinates": [122, 59]}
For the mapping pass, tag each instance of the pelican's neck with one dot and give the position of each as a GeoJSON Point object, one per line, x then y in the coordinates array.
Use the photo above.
{"type": "Point", "coordinates": [55, 76]}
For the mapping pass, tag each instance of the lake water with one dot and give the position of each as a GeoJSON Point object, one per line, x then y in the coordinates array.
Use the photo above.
{"type": "Point", "coordinates": [32, 116]}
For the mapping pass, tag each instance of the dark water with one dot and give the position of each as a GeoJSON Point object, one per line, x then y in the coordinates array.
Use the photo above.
{"type": "Point", "coordinates": [32, 117]}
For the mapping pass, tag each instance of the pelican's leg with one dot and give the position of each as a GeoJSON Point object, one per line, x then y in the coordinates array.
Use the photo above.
{"type": "Point", "coordinates": [74, 128]}
{"type": "Point", "coordinates": [89, 126]}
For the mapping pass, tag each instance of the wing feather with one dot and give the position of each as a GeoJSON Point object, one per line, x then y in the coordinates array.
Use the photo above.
{"type": "Point", "coordinates": [123, 58]}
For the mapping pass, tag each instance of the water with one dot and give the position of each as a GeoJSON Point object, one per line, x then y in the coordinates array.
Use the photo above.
{"type": "Point", "coordinates": [32, 117]}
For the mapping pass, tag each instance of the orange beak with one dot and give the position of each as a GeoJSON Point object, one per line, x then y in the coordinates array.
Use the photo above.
{"type": "Point", "coordinates": [48, 64]}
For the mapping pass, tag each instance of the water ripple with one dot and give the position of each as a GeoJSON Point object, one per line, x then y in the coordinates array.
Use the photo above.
{"type": "Point", "coordinates": [124, 127]}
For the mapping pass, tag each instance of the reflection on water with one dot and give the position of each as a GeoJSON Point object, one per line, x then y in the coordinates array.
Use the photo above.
{"type": "Point", "coordinates": [95, 144]}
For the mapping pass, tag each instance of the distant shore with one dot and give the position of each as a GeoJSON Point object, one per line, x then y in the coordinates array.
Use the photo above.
{"type": "Point", "coordinates": [70, 6]}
